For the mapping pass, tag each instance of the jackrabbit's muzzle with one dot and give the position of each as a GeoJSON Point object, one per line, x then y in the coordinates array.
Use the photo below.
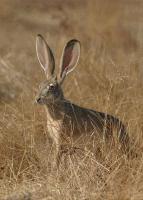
{"type": "Point", "coordinates": [39, 100]}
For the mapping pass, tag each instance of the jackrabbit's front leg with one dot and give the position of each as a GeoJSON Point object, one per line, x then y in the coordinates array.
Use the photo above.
{"type": "Point", "coordinates": [58, 158]}
{"type": "Point", "coordinates": [61, 150]}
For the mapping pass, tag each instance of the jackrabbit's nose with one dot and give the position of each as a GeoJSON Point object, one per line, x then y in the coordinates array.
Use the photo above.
{"type": "Point", "coordinates": [38, 100]}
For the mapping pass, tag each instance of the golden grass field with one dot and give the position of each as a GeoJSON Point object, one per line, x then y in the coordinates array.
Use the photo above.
{"type": "Point", "coordinates": [108, 78]}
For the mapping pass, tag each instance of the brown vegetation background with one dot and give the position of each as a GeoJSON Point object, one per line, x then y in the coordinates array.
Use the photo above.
{"type": "Point", "coordinates": [109, 78]}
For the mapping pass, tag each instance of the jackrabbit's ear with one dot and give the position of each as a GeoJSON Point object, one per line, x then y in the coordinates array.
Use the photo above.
{"type": "Point", "coordinates": [45, 56]}
{"type": "Point", "coordinates": [69, 58]}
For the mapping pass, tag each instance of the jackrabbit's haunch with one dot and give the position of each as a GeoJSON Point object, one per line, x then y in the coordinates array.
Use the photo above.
{"type": "Point", "coordinates": [68, 124]}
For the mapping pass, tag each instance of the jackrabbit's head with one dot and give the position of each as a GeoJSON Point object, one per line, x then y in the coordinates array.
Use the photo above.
{"type": "Point", "coordinates": [50, 90]}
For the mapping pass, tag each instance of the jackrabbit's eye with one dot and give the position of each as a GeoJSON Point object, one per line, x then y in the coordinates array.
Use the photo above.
{"type": "Point", "coordinates": [51, 86]}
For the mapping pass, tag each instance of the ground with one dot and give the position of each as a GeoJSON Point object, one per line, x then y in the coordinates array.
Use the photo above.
{"type": "Point", "coordinates": [108, 78]}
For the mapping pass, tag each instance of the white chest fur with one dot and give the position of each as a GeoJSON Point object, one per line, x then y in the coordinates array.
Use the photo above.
{"type": "Point", "coordinates": [54, 129]}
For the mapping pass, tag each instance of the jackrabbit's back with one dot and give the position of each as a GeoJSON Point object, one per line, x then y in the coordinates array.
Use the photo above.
{"type": "Point", "coordinates": [79, 122]}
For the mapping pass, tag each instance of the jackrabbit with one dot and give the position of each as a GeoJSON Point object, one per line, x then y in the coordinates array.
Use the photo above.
{"type": "Point", "coordinates": [68, 124]}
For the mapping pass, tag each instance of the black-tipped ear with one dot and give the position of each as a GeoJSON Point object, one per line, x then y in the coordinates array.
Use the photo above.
{"type": "Point", "coordinates": [69, 57]}
{"type": "Point", "coordinates": [45, 56]}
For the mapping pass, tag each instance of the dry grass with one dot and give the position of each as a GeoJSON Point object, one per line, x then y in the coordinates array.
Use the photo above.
{"type": "Point", "coordinates": [108, 78]}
